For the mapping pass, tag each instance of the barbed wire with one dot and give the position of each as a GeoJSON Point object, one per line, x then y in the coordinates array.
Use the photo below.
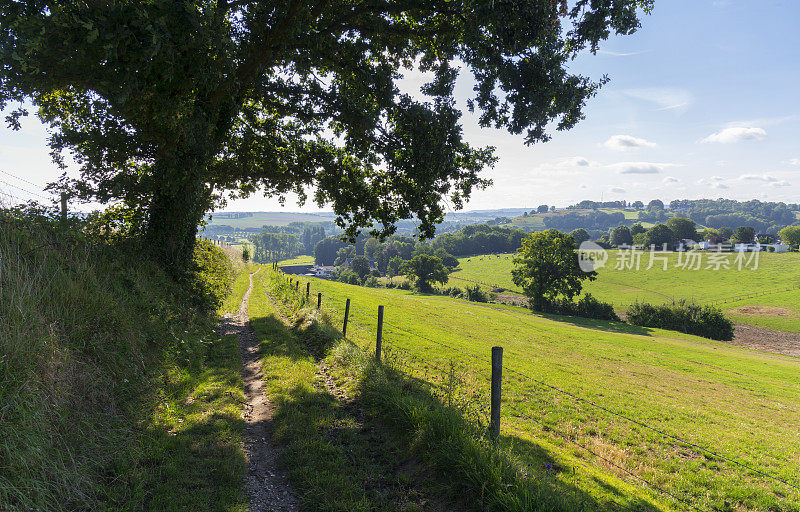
{"type": "Point", "coordinates": [605, 409]}
{"type": "Point", "coordinates": [617, 414]}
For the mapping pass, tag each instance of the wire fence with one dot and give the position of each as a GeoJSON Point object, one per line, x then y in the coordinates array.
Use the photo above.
{"type": "Point", "coordinates": [392, 330]}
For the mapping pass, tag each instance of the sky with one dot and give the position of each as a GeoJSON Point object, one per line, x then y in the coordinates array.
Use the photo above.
{"type": "Point", "coordinates": [702, 103]}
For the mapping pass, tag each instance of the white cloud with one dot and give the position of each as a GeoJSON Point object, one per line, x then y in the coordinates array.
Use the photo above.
{"type": "Point", "coordinates": [640, 167]}
{"type": "Point", "coordinates": [758, 177]}
{"type": "Point", "coordinates": [665, 98]}
{"type": "Point", "coordinates": [619, 54]}
{"type": "Point", "coordinates": [627, 142]}
{"type": "Point", "coordinates": [716, 178]}
{"type": "Point", "coordinates": [575, 161]}
{"type": "Point", "coordinates": [671, 179]}
{"type": "Point", "coordinates": [720, 186]}
{"type": "Point", "coordinates": [618, 190]}
{"type": "Point", "coordinates": [736, 134]}
{"type": "Point", "coordinates": [781, 183]}
{"type": "Point", "coordinates": [795, 162]}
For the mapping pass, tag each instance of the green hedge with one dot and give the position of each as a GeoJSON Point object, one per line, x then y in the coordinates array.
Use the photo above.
{"type": "Point", "coordinates": [688, 317]}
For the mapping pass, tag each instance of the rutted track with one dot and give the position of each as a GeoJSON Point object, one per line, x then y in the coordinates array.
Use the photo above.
{"type": "Point", "coordinates": [267, 486]}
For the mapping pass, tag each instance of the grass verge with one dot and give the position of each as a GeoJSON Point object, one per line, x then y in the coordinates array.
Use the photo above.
{"type": "Point", "coordinates": [435, 426]}
{"type": "Point", "coordinates": [115, 391]}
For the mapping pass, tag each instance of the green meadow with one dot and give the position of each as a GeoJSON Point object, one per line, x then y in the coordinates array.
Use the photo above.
{"type": "Point", "coordinates": [259, 219]}
{"type": "Point", "coordinates": [775, 282]}
{"type": "Point", "coordinates": [741, 405]}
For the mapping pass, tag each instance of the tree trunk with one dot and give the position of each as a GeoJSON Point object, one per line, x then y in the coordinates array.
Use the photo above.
{"type": "Point", "coordinates": [175, 213]}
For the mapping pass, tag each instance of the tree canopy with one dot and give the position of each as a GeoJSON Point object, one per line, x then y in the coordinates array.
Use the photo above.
{"type": "Point", "coordinates": [546, 267]}
{"type": "Point", "coordinates": [424, 270]}
{"type": "Point", "coordinates": [168, 105]}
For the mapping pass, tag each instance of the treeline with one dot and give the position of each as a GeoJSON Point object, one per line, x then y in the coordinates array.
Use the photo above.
{"type": "Point", "coordinates": [281, 242]}
{"type": "Point", "coordinates": [386, 255]}
{"type": "Point", "coordinates": [592, 220]}
{"type": "Point", "coordinates": [764, 217]}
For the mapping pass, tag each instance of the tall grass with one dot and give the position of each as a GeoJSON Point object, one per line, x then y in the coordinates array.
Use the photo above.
{"type": "Point", "coordinates": [90, 334]}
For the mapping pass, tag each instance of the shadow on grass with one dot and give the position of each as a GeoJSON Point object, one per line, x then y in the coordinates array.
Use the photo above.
{"type": "Point", "coordinates": [600, 325]}
{"type": "Point", "coordinates": [191, 458]}
{"type": "Point", "coordinates": [356, 454]}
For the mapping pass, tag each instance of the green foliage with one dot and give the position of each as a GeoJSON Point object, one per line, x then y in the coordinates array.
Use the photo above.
{"type": "Point", "coordinates": [246, 253]}
{"type": "Point", "coordinates": [621, 235]}
{"type": "Point", "coordinates": [586, 307]}
{"type": "Point", "coordinates": [790, 235]}
{"type": "Point", "coordinates": [546, 266]}
{"type": "Point", "coordinates": [682, 228]}
{"type": "Point", "coordinates": [395, 266]}
{"type": "Point", "coordinates": [683, 316]}
{"type": "Point", "coordinates": [345, 275]}
{"type": "Point", "coordinates": [212, 277]}
{"type": "Point", "coordinates": [423, 270]}
{"type": "Point", "coordinates": [580, 235]}
{"type": "Point", "coordinates": [271, 247]}
{"type": "Point", "coordinates": [360, 265]}
{"type": "Point", "coordinates": [703, 392]}
{"type": "Point", "coordinates": [166, 105]}
{"type": "Point", "coordinates": [475, 293]}
{"type": "Point", "coordinates": [659, 235]}
{"type": "Point", "coordinates": [744, 234]}
{"type": "Point", "coordinates": [637, 229]}
{"type": "Point", "coordinates": [116, 392]}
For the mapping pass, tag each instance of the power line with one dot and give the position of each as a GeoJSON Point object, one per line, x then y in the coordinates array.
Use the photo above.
{"type": "Point", "coordinates": [20, 179]}
{"type": "Point", "coordinates": [24, 190]}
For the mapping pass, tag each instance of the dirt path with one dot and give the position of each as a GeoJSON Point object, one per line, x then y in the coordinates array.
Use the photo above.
{"type": "Point", "coordinates": [267, 487]}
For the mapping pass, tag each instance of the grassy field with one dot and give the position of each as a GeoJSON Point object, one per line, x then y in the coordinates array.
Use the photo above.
{"type": "Point", "coordinates": [303, 259]}
{"type": "Point", "coordinates": [270, 219]}
{"type": "Point", "coordinates": [730, 289]}
{"type": "Point", "coordinates": [741, 404]}
{"type": "Point", "coordinates": [535, 222]}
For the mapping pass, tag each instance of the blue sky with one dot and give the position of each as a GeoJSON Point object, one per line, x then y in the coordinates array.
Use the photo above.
{"type": "Point", "coordinates": [703, 102]}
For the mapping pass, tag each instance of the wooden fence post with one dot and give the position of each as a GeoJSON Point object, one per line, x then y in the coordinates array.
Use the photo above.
{"type": "Point", "coordinates": [379, 337]}
{"type": "Point", "coordinates": [346, 316]}
{"type": "Point", "coordinates": [319, 300]}
{"type": "Point", "coordinates": [297, 285]}
{"type": "Point", "coordinates": [63, 207]}
{"type": "Point", "coordinates": [308, 290]}
{"type": "Point", "coordinates": [497, 377]}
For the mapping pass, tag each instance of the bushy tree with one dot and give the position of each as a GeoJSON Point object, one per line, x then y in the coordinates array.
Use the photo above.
{"type": "Point", "coordinates": [360, 265]}
{"type": "Point", "coordinates": [543, 208]}
{"type": "Point", "coordinates": [448, 260]}
{"type": "Point", "coordinates": [166, 105]}
{"type": "Point", "coordinates": [423, 270]}
{"type": "Point", "coordinates": [621, 235]}
{"type": "Point", "coordinates": [744, 235]}
{"type": "Point", "coordinates": [790, 235]}
{"type": "Point", "coordinates": [580, 235]}
{"type": "Point", "coordinates": [682, 228]}
{"type": "Point", "coordinates": [546, 267]}
{"type": "Point", "coordinates": [659, 235]}
{"type": "Point", "coordinates": [246, 253]}
{"type": "Point", "coordinates": [395, 266]}
{"type": "Point", "coordinates": [637, 228]}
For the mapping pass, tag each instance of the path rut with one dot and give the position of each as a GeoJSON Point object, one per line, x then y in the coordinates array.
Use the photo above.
{"type": "Point", "coordinates": [267, 487]}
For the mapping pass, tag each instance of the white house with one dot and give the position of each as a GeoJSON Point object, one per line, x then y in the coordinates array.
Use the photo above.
{"type": "Point", "coordinates": [324, 271]}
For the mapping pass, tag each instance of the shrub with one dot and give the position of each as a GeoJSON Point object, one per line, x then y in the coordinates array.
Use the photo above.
{"type": "Point", "coordinates": [371, 282]}
{"type": "Point", "coordinates": [683, 316]}
{"type": "Point", "coordinates": [476, 294]}
{"type": "Point", "coordinates": [404, 285]}
{"type": "Point", "coordinates": [345, 275]}
{"type": "Point", "coordinates": [586, 307]}
{"type": "Point", "coordinates": [212, 277]}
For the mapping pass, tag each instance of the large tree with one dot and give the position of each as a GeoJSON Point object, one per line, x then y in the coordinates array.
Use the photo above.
{"type": "Point", "coordinates": [165, 104]}
{"type": "Point", "coordinates": [424, 270]}
{"type": "Point", "coordinates": [546, 267]}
